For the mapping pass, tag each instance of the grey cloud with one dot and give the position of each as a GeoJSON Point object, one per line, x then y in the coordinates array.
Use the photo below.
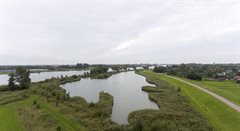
{"type": "Point", "coordinates": [49, 32]}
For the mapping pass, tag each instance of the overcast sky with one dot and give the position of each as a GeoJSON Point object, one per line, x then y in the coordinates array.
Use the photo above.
{"type": "Point", "coordinates": [108, 31]}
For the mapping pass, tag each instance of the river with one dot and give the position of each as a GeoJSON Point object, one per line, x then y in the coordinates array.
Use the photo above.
{"type": "Point", "coordinates": [124, 87]}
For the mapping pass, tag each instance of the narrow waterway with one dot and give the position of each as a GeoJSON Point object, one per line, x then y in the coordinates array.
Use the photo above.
{"type": "Point", "coordinates": [124, 87]}
{"type": "Point", "coordinates": [36, 77]}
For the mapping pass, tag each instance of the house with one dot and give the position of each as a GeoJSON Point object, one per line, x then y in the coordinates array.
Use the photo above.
{"type": "Point", "coordinates": [110, 70]}
{"type": "Point", "coordinates": [130, 69]}
{"type": "Point", "coordinates": [237, 78]}
{"type": "Point", "coordinates": [221, 76]}
{"type": "Point", "coordinates": [139, 68]}
{"type": "Point", "coordinates": [229, 71]}
{"type": "Point", "coordinates": [151, 67]}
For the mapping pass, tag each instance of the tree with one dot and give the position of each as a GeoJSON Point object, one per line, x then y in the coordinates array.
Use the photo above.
{"type": "Point", "coordinates": [23, 77]}
{"type": "Point", "coordinates": [160, 69]}
{"type": "Point", "coordinates": [99, 70]}
{"type": "Point", "coordinates": [11, 82]}
{"type": "Point", "coordinates": [20, 79]}
{"type": "Point", "coordinates": [194, 76]}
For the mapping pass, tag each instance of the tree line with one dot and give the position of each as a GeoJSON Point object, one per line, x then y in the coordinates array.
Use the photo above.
{"type": "Point", "coordinates": [197, 71]}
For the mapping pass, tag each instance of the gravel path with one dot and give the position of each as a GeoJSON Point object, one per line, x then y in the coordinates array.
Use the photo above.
{"type": "Point", "coordinates": [227, 102]}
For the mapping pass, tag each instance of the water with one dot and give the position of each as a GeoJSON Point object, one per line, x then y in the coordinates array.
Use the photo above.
{"type": "Point", "coordinates": [124, 87]}
{"type": "Point", "coordinates": [36, 77]}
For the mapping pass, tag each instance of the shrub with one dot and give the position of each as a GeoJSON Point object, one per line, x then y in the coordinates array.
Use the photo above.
{"type": "Point", "coordinates": [34, 102]}
{"type": "Point", "coordinates": [178, 89]}
{"type": "Point", "coordinates": [59, 128]}
{"type": "Point", "coordinates": [194, 76]}
{"type": "Point", "coordinates": [164, 125]}
{"type": "Point", "coordinates": [38, 106]}
{"type": "Point", "coordinates": [139, 124]}
{"type": "Point", "coordinates": [160, 69]}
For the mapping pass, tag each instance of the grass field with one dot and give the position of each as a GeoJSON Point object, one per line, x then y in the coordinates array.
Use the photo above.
{"type": "Point", "coordinates": [22, 115]}
{"type": "Point", "coordinates": [219, 115]}
{"type": "Point", "coordinates": [4, 73]}
{"type": "Point", "coordinates": [228, 89]}
{"type": "Point", "coordinates": [46, 106]}
{"type": "Point", "coordinates": [9, 120]}
{"type": "Point", "coordinates": [175, 112]}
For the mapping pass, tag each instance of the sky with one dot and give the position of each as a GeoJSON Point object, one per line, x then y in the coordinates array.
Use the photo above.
{"type": "Point", "coordinates": [37, 32]}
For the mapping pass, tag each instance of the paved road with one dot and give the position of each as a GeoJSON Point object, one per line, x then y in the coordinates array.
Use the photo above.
{"type": "Point", "coordinates": [227, 102]}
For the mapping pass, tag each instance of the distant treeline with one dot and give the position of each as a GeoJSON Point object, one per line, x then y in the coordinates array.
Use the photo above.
{"type": "Point", "coordinates": [76, 66]}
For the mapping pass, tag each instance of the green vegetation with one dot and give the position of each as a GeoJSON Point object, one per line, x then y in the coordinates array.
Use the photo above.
{"type": "Point", "coordinates": [217, 113]}
{"type": "Point", "coordinates": [21, 77]}
{"type": "Point", "coordinates": [98, 76]}
{"type": "Point", "coordinates": [4, 73]}
{"type": "Point", "coordinates": [228, 89]}
{"type": "Point", "coordinates": [175, 111]}
{"type": "Point", "coordinates": [194, 76]}
{"type": "Point", "coordinates": [66, 79]}
{"type": "Point", "coordinates": [160, 69]}
{"type": "Point", "coordinates": [9, 120]}
{"type": "Point", "coordinates": [198, 71]}
{"type": "Point", "coordinates": [46, 106]}
{"type": "Point", "coordinates": [99, 70]}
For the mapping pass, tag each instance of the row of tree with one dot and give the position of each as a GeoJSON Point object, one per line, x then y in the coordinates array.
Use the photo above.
{"type": "Point", "coordinates": [99, 70]}
{"type": "Point", "coordinates": [197, 71]}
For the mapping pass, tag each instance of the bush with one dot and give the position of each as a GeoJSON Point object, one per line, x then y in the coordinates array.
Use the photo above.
{"type": "Point", "coordinates": [34, 102]}
{"type": "Point", "coordinates": [194, 76]}
{"type": "Point", "coordinates": [38, 106]}
{"type": "Point", "coordinates": [238, 81]}
{"type": "Point", "coordinates": [164, 126]}
{"type": "Point", "coordinates": [139, 124]}
{"type": "Point", "coordinates": [178, 89]}
{"type": "Point", "coordinates": [92, 104]}
{"type": "Point", "coordinates": [160, 69]}
{"type": "Point", "coordinates": [59, 128]}
{"type": "Point", "coordinates": [99, 70]}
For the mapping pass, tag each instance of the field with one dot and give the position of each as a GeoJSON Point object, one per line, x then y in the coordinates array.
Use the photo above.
{"type": "Point", "coordinates": [175, 111]}
{"type": "Point", "coordinates": [219, 115]}
{"type": "Point", "coordinates": [45, 106]}
{"type": "Point", "coordinates": [228, 89]}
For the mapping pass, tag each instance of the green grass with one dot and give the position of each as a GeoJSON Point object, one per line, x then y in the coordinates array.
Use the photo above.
{"type": "Point", "coordinates": [4, 73]}
{"type": "Point", "coordinates": [19, 113]}
{"type": "Point", "coordinates": [175, 112]}
{"type": "Point", "coordinates": [228, 89]}
{"type": "Point", "coordinates": [9, 120]}
{"type": "Point", "coordinates": [219, 115]}
{"type": "Point", "coordinates": [53, 112]}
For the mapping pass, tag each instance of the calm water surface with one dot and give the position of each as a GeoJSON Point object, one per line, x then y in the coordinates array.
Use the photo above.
{"type": "Point", "coordinates": [35, 77]}
{"type": "Point", "coordinates": [124, 87]}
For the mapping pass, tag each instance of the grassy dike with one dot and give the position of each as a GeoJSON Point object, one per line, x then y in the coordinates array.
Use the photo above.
{"type": "Point", "coordinates": [219, 115]}
{"type": "Point", "coordinates": [175, 111]}
{"type": "Point", "coordinates": [228, 89]}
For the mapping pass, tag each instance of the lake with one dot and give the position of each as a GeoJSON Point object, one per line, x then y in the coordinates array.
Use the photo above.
{"type": "Point", "coordinates": [124, 87]}
{"type": "Point", "coordinates": [36, 77]}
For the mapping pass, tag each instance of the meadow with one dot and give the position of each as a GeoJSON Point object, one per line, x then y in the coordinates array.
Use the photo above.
{"type": "Point", "coordinates": [219, 115]}
{"type": "Point", "coordinates": [228, 89]}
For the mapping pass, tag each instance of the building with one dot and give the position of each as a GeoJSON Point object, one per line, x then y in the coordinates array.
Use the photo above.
{"type": "Point", "coordinates": [151, 67]}
{"type": "Point", "coordinates": [237, 78]}
{"type": "Point", "coordinates": [110, 70]}
{"type": "Point", "coordinates": [139, 68]}
{"type": "Point", "coordinates": [130, 69]}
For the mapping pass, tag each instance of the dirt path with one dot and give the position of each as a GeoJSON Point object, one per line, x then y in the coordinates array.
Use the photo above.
{"type": "Point", "coordinates": [227, 102]}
